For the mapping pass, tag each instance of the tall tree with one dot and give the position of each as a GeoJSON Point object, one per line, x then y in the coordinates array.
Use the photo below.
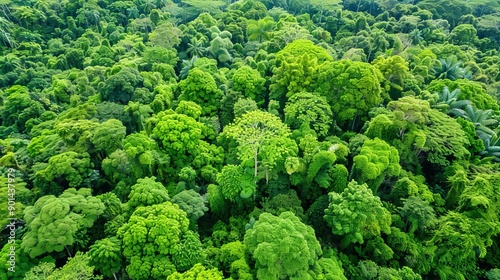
{"type": "Point", "coordinates": [262, 140]}
{"type": "Point", "coordinates": [351, 89]}
{"type": "Point", "coordinates": [260, 30]}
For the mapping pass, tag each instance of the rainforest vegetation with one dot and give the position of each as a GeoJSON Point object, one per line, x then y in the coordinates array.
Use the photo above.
{"type": "Point", "coordinates": [258, 139]}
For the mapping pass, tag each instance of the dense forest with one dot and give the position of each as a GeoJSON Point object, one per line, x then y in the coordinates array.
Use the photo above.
{"type": "Point", "coordinates": [258, 139]}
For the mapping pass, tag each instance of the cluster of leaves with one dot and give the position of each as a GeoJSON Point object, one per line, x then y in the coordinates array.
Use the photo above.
{"type": "Point", "coordinates": [250, 139]}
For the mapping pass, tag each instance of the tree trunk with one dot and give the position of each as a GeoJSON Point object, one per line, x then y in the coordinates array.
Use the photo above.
{"type": "Point", "coordinates": [255, 164]}
{"type": "Point", "coordinates": [354, 121]}
{"type": "Point", "coordinates": [267, 176]}
{"type": "Point", "coordinates": [67, 250]}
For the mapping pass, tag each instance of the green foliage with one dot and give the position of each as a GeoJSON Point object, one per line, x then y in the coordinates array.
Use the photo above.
{"type": "Point", "coordinates": [260, 30]}
{"type": "Point", "coordinates": [105, 255]}
{"type": "Point", "coordinates": [396, 74]}
{"type": "Point", "coordinates": [175, 112]}
{"type": "Point", "coordinates": [262, 141]}
{"type": "Point", "coordinates": [23, 263]}
{"type": "Point", "coordinates": [243, 106]}
{"type": "Point", "coordinates": [464, 34]}
{"type": "Point", "coordinates": [163, 98]}
{"type": "Point", "coordinates": [151, 237]}
{"type": "Point", "coordinates": [165, 35]}
{"type": "Point", "coordinates": [351, 89]}
{"type": "Point", "coordinates": [410, 185]}
{"type": "Point", "coordinates": [449, 68]}
{"type": "Point", "coordinates": [147, 192]}
{"type": "Point", "coordinates": [332, 268]}
{"type": "Point", "coordinates": [216, 201]}
{"type": "Point", "coordinates": [179, 136]}
{"type": "Point", "coordinates": [296, 68]}
{"type": "Point", "coordinates": [192, 203]}
{"type": "Point", "coordinates": [417, 214]}
{"type": "Point", "coordinates": [13, 189]}
{"type": "Point", "coordinates": [308, 108]}
{"type": "Point", "coordinates": [235, 183]}
{"type": "Point", "coordinates": [282, 203]}
{"type": "Point", "coordinates": [76, 133]}
{"type": "Point", "coordinates": [458, 242]}
{"type": "Point", "coordinates": [108, 136]}
{"type": "Point", "coordinates": [77, 267]}
{"type": "Point", "coordinates": [188, 252]}
{"type": "Point", "coordinates": [412, 127]}
{"type": "Point", "coordinates": [56, 222]}
{"type": "Point", "coordinates": [469, 90]}
{"type": "Point", "coordinates": [189, 108]}
{"type": "Point", "coordinates": [160, 55]}
{"type": "Point", "coordinates": [315, 215]}
{"type": "Point", "coordinates": [375, 161]}
{"type": "Point", "coordinates": [356, 214]}
{"type": "Point", "coordinates": [68, 169]}
{"type": "Point", "coordinates": [249, 82]}
{"type": "Point", "coordinates": [200, 87]}
{"type": "Point", "coordinates": [493, 274]}
{"type": "Point", "coordinates": [18, 107]}
{"type": "Point", "coordinates": [197, 272]}
{"type": "Point", "coordinates": [283, 247]}
{"type": "Point", "coordinates": [120, 87]}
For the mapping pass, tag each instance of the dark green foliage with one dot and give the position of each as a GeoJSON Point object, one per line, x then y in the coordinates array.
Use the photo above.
{"type": "Point", "coordinates": [68, 169]}
{"type": "Point", "coordinates": [351, 89]}
{"type": "Point", "coordinates": [120, 87]}
{"type": "Point", "coordinates": [18, 107]}
{"type": "Point", "coordinates": [307, 108]}
{"type": "Point", "coordinates": [200, 87]}
{"type": "Point", "coordinates": [251, 139]}
{"type": "Point", "coordinates": [282, 203]}
{"type": "Point", "coordinates": [192, 203]}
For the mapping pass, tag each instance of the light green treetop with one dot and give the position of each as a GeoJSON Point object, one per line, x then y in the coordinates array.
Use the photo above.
{"type": "Point", "coordinates": [261, 139]}
{"type": "Point", "coordinates": [376, 160]}
{"type": "Point", "coordinates": [55, 222]}
{"type": "Point", "coordinates": [357, 214]}
{"type": "Point", "coordinates": [283, 247]}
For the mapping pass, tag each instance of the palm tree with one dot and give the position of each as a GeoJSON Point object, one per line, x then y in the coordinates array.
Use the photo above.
{"type": "Point", "coordinates": [416, 36]}
{"type": "Point", "coordinates": [132, 12]}
{"type": "Point", "coordinates": [9, 63]}
{"type": "Point", "coordinates": [492, 146]}
{"type": "Point", "coordinates": [187, 65]}
{"type": "Point", "coordinates": [196, 47]}
{"type": "Point", "coordinates": [4, 6]}
{"type": "Point", "coordinates": [451, 101]}
{"type": "Point", "coordinates": [450, 68]}
{"type": "Point", "coordinates": [5, 29]}
{"type": "Point", "coordinates": [147, 6]}
{"type": "Point", "coordinates": [160, 3]}
{"type": "Point", "coordinates": [481, 120]}
{"type": "Point", "coordinates": [378, 42]}
{"type": "Point", "coordinates": [260, 30]}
